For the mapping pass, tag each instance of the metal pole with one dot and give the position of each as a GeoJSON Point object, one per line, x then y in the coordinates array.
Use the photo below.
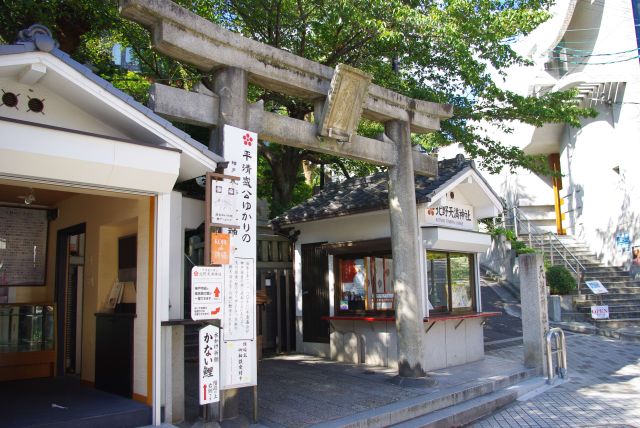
{"type": "Point", "coordinates": [255, 404]}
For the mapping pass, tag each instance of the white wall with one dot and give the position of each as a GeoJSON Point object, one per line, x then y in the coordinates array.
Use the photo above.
{"type": "Point", "coordinates": [57, 111]}
{"type": "Point", "coordinates": [600, 202]}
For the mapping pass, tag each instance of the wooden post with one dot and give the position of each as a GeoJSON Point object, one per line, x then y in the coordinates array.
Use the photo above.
{"type": "Point", "coordinates": [405, 247]}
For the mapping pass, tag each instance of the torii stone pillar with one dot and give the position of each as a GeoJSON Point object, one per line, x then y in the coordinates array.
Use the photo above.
{"type": "Point", "coordinates": [405, 248]}
{"type": "Point", "coordinates": [231, 85]}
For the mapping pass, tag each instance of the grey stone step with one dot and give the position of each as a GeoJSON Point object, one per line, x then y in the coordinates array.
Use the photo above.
{"type": "Point", "coordinates": [614, 297]}
{"type": "Point", "coordinates": [464, 413]}
{"type": "Point", "coordinates": [406, 410]}
{"type": "Point", "coordinates": [618, 323]}
{"type": "Point", "coordinates": [477, 408]}
{"type": "Point", "coordinates": [615, 288]}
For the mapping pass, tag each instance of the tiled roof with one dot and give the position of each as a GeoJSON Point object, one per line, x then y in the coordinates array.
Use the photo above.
{"type": "Point", "coordinates": [27, 46]}
{"type": "Point", "coordinates": [362, 194]}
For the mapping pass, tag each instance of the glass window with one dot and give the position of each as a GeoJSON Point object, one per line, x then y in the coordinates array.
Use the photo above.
{"type": "Point", "coordinates": [451, 282]}
{"type": "Point", "coordinates": [365, 284]}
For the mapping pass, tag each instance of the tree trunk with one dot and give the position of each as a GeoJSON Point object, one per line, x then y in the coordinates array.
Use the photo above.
{"type": "Point", "coordinates": [285, 168]}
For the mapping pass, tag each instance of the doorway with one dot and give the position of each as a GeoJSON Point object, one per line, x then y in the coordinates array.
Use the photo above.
{"type": "Point", "coordinates": [315, 293]}
{"type": "Point", "coordinates": [69, 290]}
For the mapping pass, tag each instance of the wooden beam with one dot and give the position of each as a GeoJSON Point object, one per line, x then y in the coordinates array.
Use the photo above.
{"type": "Point", "coordinates": [190, 38]}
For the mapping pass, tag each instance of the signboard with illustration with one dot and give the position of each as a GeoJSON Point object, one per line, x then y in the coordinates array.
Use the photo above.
{"type": "Point", "coordinates": [596, 287]}
{"type": "Point", "coordinates": [449, 214]}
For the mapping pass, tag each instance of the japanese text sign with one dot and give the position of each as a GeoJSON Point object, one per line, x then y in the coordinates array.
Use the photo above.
{"type": "Point", "coordinates": [449, 214]}
{"type": "Point", "coordinates": [207, 285]}
{"type": "Point", "coordinates": [220, 249]}
{"type": "Point", "coordinates": [209, 364]}
{"type": "Point", "coordinates": [225, 210]}
{"type": "Point", "coordinates": [240, 364]}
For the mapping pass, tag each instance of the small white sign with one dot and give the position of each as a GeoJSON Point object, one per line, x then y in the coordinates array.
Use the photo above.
{"type": "Point", "coordinates": [239, 364]}
{"type": "Point", "coordinates": [600, 312]}
{"type": "Point", "coordinates": [448, 214]}
{"type": "Point", "coordinates": [225, 209]}
{"type": "Point", "coordinates": [209, 364]}
{"type": "Point", "coordinates": [207, 285]}
{"type": "Point", "coordinates": [240, 300]}
{"type": "Point", "coordinates": [596, 287]}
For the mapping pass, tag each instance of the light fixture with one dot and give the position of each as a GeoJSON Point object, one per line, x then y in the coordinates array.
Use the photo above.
{"type": "Point", "coordinates": [29, 198]}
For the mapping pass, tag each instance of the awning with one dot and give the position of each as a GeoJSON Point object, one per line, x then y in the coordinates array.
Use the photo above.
{"type": "Point", "coordinates": [62, 155]}
{"type": "Point", "coordinates": [443, 238]}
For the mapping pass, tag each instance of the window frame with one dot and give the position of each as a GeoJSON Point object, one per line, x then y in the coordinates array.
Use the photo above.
{"type": "Point", "coordinates": [472, 257]}
{"type": "Point", "coordinates": [337, 295]}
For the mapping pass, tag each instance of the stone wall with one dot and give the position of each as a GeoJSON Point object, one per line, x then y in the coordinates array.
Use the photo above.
{"type": "Point", "coordinates": [501, 260]}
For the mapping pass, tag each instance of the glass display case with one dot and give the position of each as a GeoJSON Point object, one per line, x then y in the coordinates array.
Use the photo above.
{"type": "Point", "coordinates": [26, 327]}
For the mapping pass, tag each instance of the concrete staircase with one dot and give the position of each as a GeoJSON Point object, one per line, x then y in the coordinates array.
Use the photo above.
{"type": "Point", "coordinates": [623, 297]}
{"type": "Point", "coordinates": [457, 406]}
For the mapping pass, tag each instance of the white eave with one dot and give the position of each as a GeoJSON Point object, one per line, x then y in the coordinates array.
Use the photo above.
{"type": "Point", "coordinates": [61, 74]}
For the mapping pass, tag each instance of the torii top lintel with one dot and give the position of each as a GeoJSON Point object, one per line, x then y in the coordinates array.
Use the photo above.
{"type": "Point", "coordinates": [188, 37]}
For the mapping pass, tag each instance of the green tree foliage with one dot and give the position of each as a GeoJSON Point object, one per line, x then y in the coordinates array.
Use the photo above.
{"type": "Point", "coordinates": [437, 50]}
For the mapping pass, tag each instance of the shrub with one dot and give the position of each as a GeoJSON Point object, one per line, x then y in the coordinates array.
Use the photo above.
{"type": "Point", "coordinates": [521, 248]}
{"type": "Point", "coordinates": [560, 280]}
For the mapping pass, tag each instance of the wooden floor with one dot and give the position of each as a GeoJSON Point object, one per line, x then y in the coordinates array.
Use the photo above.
{"type": "Point", "coordinates": [58, 402]}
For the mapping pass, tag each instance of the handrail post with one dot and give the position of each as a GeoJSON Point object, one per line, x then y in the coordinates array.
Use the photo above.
{"type": "Point", "coordinates": [580, 276]}
{"type": "Point", "coordinates": [515, 220]}
{"type": "Point", "coordinates": [561, 354]}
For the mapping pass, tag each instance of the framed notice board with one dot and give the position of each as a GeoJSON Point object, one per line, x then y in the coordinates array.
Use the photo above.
{"type": "Point", "coordinates": [23, 246]}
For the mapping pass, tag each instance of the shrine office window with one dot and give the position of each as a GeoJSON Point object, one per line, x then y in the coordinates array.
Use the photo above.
{"type": "Point", "coordinates": [451, 282]}
{"type": "Point", "coordinates": [364, 285]}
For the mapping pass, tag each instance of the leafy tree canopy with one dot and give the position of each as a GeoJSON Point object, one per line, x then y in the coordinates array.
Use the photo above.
{"type": "Point", "coordinates": [436, 50]}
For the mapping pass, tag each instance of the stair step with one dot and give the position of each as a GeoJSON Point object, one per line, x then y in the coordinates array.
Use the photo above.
{"type": "Point", "coordinates": [407, 411]}
{"type": "Point", "coordinates": [464, 413]}
{"type": "Point", "coordinates": [618, 323]}
{"type": "Point", "coordinates": [615, 289]}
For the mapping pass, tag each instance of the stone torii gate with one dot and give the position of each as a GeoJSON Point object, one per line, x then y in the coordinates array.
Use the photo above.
{"type": "Point", "coordinates": [341, 97]}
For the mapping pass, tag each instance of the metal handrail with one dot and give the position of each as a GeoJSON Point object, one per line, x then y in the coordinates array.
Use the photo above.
{"type": "Point", "coordinates": [539, 235]}
{"type": "Point", "coordinates": [561, 354]}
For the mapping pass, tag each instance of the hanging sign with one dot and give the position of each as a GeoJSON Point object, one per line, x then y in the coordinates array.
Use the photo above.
{"type": "Point", "coordinates": [239, 357]}
{"type": "Point", "coordinates": [224, 200]}
{"type": "Point", "coordinates": [449, 214]}
{"type": "Point", "coordinates": [207, 285]}
{"type": "Point", "coordinates": [220, 249]}
{"type": "Point", "coordinates": [209, 364]}
{"type": "Point", "coordinates": [596, 287]}
{"type": "Point", "coordinates": [600, 312]}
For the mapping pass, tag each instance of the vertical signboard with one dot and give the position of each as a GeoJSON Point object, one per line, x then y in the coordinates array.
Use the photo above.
{"type": "Point", "coordinates": [209, 364]}
{"type": "Point", "coordinates": [207, 292]}
{"type": "Point", "coordinates": [239, 359]}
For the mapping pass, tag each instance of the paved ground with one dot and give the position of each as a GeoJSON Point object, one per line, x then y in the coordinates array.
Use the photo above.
{"type": "Point", "coordinates": [300, 390]}
{"type": "Point", "coordinates": [603, 388]}
{"type": "Point", "coordinates": [507, 326]}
